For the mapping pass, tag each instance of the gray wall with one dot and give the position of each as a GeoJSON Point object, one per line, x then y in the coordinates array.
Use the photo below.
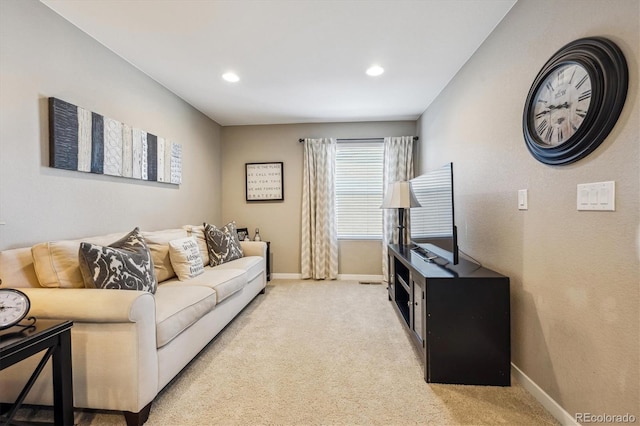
{"type": "Point", "coordinates": [574, 275]}
{"type": "Point", "coordinates": [279, 222]}
{"type": "Point", "coordinates": [42, 55]}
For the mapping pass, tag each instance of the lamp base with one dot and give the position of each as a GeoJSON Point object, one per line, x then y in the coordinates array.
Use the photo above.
{"type": "Point", "coordinates": [400, 227]}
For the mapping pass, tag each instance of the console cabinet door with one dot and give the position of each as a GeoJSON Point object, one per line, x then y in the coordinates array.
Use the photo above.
{"type": "Point", "coordinates": [417, 308]}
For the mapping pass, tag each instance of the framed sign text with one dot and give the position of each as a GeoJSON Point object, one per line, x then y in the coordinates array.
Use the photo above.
{"type": "Point", "coordinates": [264, 181]}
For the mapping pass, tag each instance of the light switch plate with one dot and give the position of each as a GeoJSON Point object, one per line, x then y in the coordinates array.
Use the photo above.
{"type": "Point", "coordinates": [523, 199]}
{"type": "Point", "coordinates": [599, 196]}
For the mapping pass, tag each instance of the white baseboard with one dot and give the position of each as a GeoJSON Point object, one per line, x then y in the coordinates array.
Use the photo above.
{"type": "Point", "coordinates": [364, 278]}
{"type": "Point", "coordinates": [285, 276]}
{"type": "Point", "coordinates": [346, 277]}
{"type": "Point", "coordinates": [543, 398]}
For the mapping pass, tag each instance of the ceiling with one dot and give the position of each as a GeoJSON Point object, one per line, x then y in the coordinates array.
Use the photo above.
{"type": "Point", "coordinates": [298, 61]}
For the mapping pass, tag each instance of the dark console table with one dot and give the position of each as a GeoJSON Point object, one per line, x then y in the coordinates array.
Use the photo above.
{"type": "Point", "coordinates": [54, 337]}
{"type": "Point", "coordinates": [458, 316]}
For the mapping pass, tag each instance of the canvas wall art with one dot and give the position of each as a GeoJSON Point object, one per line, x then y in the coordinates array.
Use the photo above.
{"type": "Point", "coordinates": [89, 142]}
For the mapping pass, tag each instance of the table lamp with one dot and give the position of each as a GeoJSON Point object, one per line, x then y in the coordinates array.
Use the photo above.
{"type": "Point", "coordinates": [400, 196]}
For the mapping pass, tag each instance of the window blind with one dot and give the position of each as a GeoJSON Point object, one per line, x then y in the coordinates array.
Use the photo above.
{"type": "Point", "coordinates": [359, 167]}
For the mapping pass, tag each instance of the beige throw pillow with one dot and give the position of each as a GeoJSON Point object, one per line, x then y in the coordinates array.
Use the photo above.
{"type": "Point", "coordinates": [56, 262]}
{"type": "Point", "coordinates": [158, 243]}
{"type": "Point", "coordinates": [185, 258]}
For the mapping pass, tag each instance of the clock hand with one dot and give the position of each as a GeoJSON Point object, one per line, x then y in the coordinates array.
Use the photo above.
{"type": "Point", "coordinates": [4, 308]}
{"type": "Point", "coordinates": [564, 105]}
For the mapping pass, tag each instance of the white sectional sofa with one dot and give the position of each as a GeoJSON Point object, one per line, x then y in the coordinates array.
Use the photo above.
{"type": "Point", "coordinates": [128, 345]}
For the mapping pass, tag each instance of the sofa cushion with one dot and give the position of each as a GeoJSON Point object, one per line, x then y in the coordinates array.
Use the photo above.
{"type": "Point", "coordinates": [254, 265]}
{"type": "Point", "coordinates": [158, 242]}
{"type": "Point", "coordinates": [125, 264]}
{"type": "Point", "coordinates": [185, 258]}
{"type": "Point", "coordinates": [56, 262]}
{"type": "Point", "coordinates": [223, 243]}
{"type": "Point", "coordinates": [177, 307]}
{"type": "Point", "coordinates": [197, 231]}
{"type": "Point", "coordinates": [224, 281]}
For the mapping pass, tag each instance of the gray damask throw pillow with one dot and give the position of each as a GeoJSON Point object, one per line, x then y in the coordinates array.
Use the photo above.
{"type": "Point", "coordinates": [223, 243]}
{"type": "Point", "coordinates": [125, 264]}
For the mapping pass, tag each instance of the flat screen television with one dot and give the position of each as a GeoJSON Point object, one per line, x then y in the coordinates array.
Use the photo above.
{"type": "Point", "coordinates": [434, 221]}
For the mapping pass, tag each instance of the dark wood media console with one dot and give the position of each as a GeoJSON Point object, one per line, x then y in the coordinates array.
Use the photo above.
{"type": "Point", "coordinates": [458, 316]}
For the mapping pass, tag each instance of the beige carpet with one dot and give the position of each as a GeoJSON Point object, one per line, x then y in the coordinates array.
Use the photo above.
{"type": "Point", "coordinates": [328, 352]}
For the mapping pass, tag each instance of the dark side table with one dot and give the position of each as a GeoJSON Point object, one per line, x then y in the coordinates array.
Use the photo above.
{"type": "Point", "coordinates": [268, 260]}
{"type": "Point", "coordinates": [54, 337]}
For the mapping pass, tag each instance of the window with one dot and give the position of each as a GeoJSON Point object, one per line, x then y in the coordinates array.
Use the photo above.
{"type": "Point", "coordinates": [359, 189]}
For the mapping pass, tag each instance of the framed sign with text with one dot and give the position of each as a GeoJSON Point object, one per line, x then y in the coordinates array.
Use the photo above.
{"type": "Point", "coordinates": [264, 181]}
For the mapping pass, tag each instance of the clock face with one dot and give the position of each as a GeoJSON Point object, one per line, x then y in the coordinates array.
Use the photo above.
{"type": "Point", "coordinates": [561, 104]}
{"type": "Point", "coordinates": [14, 306]}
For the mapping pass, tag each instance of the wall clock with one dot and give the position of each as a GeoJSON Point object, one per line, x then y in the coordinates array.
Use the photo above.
{"type": "Point", "coordinates": [575, 100]}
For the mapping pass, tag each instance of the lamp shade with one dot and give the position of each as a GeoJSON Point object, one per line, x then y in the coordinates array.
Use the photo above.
{"type": "Point", "coordinates": [399, 196]}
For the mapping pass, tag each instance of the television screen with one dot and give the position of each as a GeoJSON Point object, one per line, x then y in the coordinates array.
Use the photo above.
{"type": "Point", "coordinates": [434, 221]}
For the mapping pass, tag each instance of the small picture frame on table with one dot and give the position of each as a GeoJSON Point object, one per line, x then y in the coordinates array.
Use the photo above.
{"type": "Point", "coordinates": [264, 181]}
{"type": "Point", "coordinates": [242, 233]}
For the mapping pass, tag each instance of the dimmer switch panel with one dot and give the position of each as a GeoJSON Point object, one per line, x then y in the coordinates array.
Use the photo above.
{"type": "Point", "coordinates": [597, 196]}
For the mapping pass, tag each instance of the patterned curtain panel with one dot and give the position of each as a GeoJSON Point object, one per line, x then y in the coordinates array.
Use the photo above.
{"type": "Point", "coordinates": [398, 166]}
{"type": "Point", "coordinates": [319, 257]}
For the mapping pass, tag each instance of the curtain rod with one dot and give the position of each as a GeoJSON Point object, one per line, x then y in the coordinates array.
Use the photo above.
{"type": "Point", "coordinates": [415, 138]}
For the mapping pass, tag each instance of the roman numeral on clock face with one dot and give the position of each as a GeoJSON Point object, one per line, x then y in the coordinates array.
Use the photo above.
{"type": "Point", "coordinates": [549, 134]}
{"type": "Point", "coordinates": [581, 82]}
{"type": "Point", "coordinates": [573, 74]}
{"type": "Point", "coordinates": [541, 127]}
{"type": "Point", "coordinates": [584, 95]}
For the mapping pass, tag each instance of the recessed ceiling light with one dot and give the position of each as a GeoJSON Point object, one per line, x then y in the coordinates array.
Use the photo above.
{"type": "Point", "coordinates": [375, 70]}
{"type": "Point", "coordinates": [231, 77]}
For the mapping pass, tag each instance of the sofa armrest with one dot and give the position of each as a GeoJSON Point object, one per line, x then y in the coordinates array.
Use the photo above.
{"type": "Point", "coordinates": [113, 346]}
{"type": "Point", "coordinates": [90, 305]}
{"type": "Point", "coordinates": [254, 248]}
